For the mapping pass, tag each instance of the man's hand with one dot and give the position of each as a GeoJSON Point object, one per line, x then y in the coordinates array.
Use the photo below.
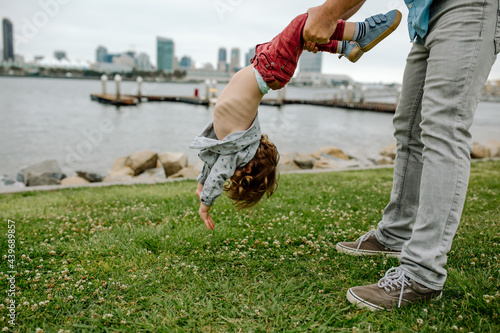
{"type": "Point", "coordinates": [205, 216]}
{"type": "Point", "coordinates": [322, 21]}
{"type": "Point", "coordinates": [320, 25]}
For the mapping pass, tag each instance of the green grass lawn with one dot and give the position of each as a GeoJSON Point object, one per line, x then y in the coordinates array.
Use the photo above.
{"type": "Point", "coordinates": [139, 259]}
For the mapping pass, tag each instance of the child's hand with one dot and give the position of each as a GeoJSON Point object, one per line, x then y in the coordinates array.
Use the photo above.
{"type": "Point", "coordinates": [205, 216]}
{"type": "Point", "coordinates": [204, 210]}
{"type": "Point", "coordinates": [311, 47]}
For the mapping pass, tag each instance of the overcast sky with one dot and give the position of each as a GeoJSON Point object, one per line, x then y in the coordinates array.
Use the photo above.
{"type": "Point", "coordinates": [198, 28]}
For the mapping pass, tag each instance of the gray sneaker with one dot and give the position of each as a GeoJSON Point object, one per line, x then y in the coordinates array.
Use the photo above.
{"type": "Point", "coordinates": [366, 245]}
{"type": "Point", "coordinates": [393, 290]}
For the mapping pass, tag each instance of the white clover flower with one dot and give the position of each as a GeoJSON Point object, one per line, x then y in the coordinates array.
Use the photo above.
{"type": "Point", "coordinates": [420, 321]}
{"type": "Point", "coordinates": [38, 330]}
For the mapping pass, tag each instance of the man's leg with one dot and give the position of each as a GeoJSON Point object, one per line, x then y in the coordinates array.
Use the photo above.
{"type": "Point", "coordinates": [399, 215]}
{"type": "Point", "coordinates": [461, 53]}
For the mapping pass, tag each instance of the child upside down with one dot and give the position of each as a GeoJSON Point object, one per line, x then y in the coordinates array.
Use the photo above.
{"type": "Point", "coordinates": [232, 146]}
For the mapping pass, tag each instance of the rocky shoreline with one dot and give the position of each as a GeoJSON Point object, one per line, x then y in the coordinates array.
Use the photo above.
{"type": "Point", "coordinates": [149, 166]}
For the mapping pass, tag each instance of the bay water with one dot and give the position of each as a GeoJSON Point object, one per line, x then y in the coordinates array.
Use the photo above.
{"type": "Point", "coordinates": [42, 118]}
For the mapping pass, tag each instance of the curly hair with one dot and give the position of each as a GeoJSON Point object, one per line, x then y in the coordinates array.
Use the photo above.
{"type": "Point", "coordinates": [260, 176]}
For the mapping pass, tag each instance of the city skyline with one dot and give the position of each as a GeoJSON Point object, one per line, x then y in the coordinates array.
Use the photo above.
{"type": "Point", "coordinates": [43, 26]}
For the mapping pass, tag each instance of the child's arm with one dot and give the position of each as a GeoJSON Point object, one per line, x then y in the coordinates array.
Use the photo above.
{"type": "Point", "coordinates": [204, 210]}
{"type": "Point", "coordinates": [213, 186]}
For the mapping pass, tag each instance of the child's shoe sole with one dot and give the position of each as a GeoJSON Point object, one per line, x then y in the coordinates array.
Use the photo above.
{"type": "Point", "coordinates": [355, 54]}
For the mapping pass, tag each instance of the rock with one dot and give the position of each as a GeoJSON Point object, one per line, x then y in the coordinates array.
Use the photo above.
{"type": "Point", "coordinates": [152, 174]}
{"type": "Point", "coordinates": [334, 163]}
{"type": "Point", "coordinates": [479, 151]}
{"type": "Point", "coordinates": [494, 148]}
{"type": "Point", "coordinates": [120, 162]}
{"type": "Point", "coordinates": [286, 162]}
{"type": "Point", "coordinates": [173, 162]}
{"type": "Point", "coordinates": [389, 151]}
{"type": "Point", "coordinates": [288, 165]}
{"type": "Point", "coordinates": [142, 160]}
{"type": "Point", "coordinates": [120, 168]}
{"type": "Point", "coordinates": [44, 179]}
{"type": "Point", "coordinates": [187, 172]}
{"type": "Point", "coordinates": [125, 171]}
{"type": "Point", "coordinates": [58, 176]}
{"type": "Point", "coordinates": [305, 161]}
{"type": "Point", "coordinates": [90, 176]}
{"type": "Point", "coordinates": [118, 179]}
{"type": "Point", "coordinates": [324, 163]}
{"type": "Point", "coordinates": [332, 151]}
{"type": "Point", "coordinates": [383, 160]}
{"type": "Point", "coordinates": [45, 167]}
{"type": "Point", "coordinates": [74, 181]}
{"type": "Point", "coordinates": [6, 180]}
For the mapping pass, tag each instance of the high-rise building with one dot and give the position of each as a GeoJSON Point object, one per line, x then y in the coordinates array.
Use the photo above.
{"type": "Point", "coordinates": [165, 54]}
{"type": "Point", "coordinates": [8, 40]}
{"type": "Point", "coordinates": [143, 62]}
{"type": "Point", "coordinates": [131, 54]}
{"type": "Point", "coordinates": [310, 62]}
{"type": "Point", "coordinates": [186, 63]}
{"type": "Point", "coordinates": [101, 54]}
{"type": "Point", "coordinates": [124, 59]}
{"type": "Point", "coordinates": [235, 59]}
{"type": "Point", "coordinates": [249, 55]}
{"type": "Point", "coordinates": [110, 56]}
{"type": "Point", "coordinates": [59, 55]}
{"type": "Point", "coordinates": [222, 60]}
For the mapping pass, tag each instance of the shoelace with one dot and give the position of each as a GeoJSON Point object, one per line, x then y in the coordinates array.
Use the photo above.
{"type": "Point", "coordinates": [394, 278]}
{"type": "Point", "coordinates": [364, 237]}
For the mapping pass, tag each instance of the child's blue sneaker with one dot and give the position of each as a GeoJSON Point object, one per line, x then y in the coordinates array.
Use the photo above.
{"type": "Point", "coordinates": [351, 51]}
{"type": "Point", "coordinates": [378, 27]}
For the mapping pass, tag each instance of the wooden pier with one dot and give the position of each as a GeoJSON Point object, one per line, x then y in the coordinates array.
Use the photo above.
{"type": "Point", "coordinates": [132, 100]}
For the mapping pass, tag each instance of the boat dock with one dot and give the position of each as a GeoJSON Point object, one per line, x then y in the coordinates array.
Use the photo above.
{"type": "Point", "coordinates": [210, 97]}
{"type": "Point", "coordinates": [132, 100]}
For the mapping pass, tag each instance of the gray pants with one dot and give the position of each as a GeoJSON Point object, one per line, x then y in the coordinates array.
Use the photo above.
{"type": "Point", "coordinates": [443, 79]}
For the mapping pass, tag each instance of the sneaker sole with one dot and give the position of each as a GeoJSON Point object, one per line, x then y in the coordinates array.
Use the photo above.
{"type": "Point", "coordinates": [362, 304]}
{"type": "Point", "coordinates": [386, 33]}
{"type": "Point", "coordinates": [355, 54]}
{"type": "Point", "coordinates": [347, 250]}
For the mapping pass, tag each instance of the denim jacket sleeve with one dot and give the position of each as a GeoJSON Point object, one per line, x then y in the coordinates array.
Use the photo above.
{"type": "Point", "coordinates": [203, 174]}
{"type": "Point", "coordinates": [418, 17]}
{"type": "Point", "coordinates": [221, 171]}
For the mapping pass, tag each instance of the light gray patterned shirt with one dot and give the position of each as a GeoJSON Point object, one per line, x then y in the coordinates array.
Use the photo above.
{"type": "Point", "coordinates": [222, 157]}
